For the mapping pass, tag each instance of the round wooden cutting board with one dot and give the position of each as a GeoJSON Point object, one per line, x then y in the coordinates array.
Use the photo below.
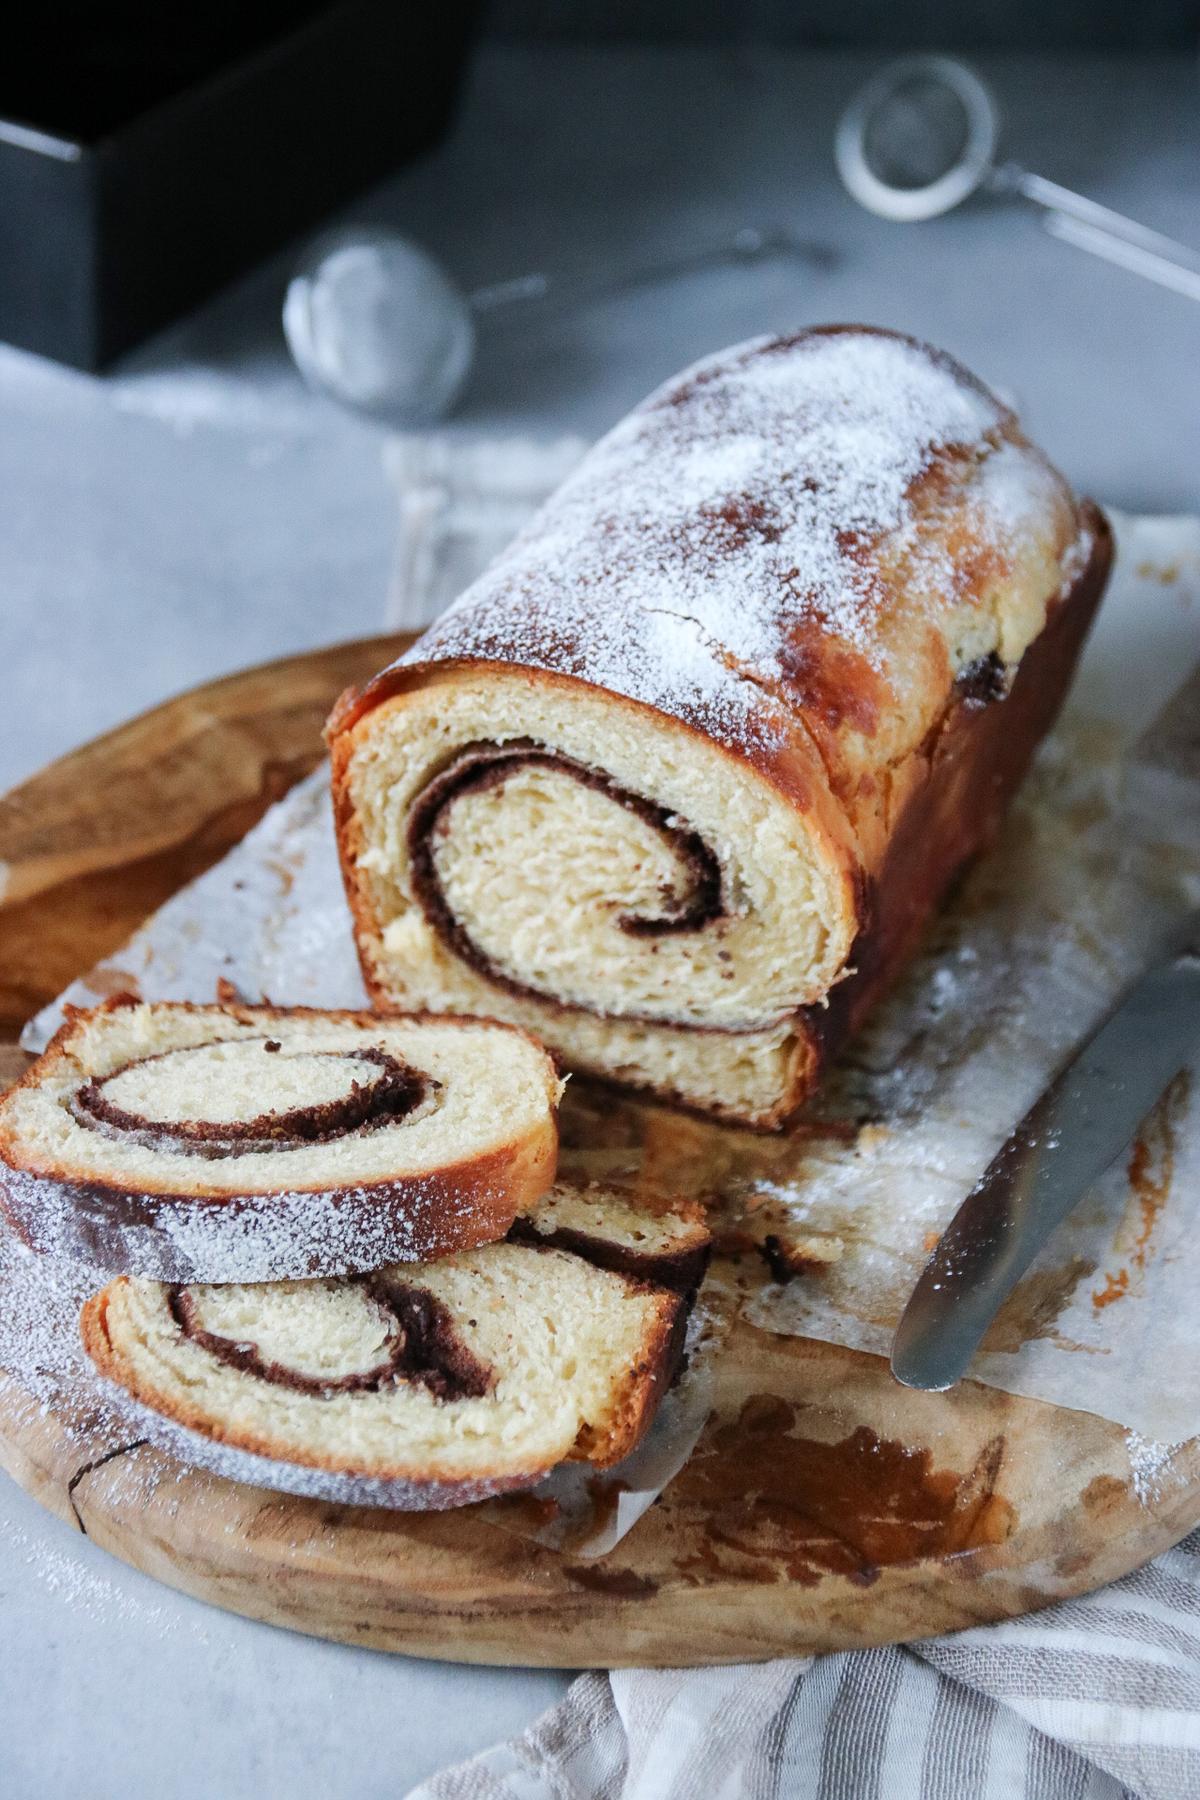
{"type": "Point", "coordinates": [824, 1507]}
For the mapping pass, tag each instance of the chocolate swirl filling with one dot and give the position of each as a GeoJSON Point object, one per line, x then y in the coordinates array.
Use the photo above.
{"type": "Point", "coordinates": [482, 766]}
{"type": "Point", "coordinates": [984, 680]}
{"type": "Point", "coordinates": [423, 1347]}
{"type": "Point", "coordinates": [396, 1093]}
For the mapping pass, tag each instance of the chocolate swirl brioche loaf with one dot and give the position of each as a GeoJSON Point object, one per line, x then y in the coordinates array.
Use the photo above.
{"type": "Point", "coordinates": [678, 781]}
{"type": "Point", "coordinates": [253, 1144]}
{"type": "Point", "coordinates": [420, 1386]}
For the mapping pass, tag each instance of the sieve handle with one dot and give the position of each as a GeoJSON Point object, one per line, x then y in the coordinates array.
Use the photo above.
{"type": "Point", "coordinates": [1075, 219]}
{"type": "Point", "coordinates": [563, 293]}
{"type": "Point", "coordinates": [1162, 269]}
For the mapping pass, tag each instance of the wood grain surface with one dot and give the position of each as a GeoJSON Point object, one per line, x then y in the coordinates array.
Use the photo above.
{"type": "Point", "coordinates": [824, 1506]}
{"type": "Point", "coordinates": [93, 844]}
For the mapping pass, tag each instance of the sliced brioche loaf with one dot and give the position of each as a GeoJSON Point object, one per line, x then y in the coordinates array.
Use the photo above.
{"type": "Point", "coordinates": [237, 1143]}
{"type": "Point", "coordinates": [678, 781]}
{"type": "Point", "coordinates": [417, 1387]}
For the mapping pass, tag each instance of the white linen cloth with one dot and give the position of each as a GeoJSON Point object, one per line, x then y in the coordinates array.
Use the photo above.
{"type": "Point", "coordinates": [1093, 1699]}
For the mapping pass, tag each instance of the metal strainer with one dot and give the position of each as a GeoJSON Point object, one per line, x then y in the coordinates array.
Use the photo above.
{"type": "Point", "coordinates": [921, 138]}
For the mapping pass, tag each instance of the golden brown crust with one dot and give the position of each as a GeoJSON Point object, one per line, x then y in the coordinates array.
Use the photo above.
{"type": "Point", "coordinates": [222, 1235]}
{"type": "Point", "coordinates": [943, 807]}
{"type": "Point", "coordinates": [940, 808]}
{"type": "Point", "coordinates": [844, 681]}
{"type": "Point", "coordinates": [649, 1379]}
{"type": "Point", "coordinates": [946, 806]}
{"type": "Point", "coordinates": [947, 803]}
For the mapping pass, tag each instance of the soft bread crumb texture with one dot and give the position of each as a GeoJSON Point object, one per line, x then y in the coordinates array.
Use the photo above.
{"type": "Point", "coordinates": [578, 1358]}
{"type": "Point", "coordinates": [598, 1211]}
{"type": "Point", "coordinates": [232, 1080]}
{"type": "Point", "coordinates": [493, 1087]}
{"type": "Point", "coordinates": [541, 869]}
{"type": "Point", "coordinates": [777, 889]}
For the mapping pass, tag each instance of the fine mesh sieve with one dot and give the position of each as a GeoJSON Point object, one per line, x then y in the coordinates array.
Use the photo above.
{"type": "Point", "coordinates": [921, 137]}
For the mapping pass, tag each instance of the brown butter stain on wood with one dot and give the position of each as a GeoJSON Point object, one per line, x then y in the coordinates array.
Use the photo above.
{"type": "Point", "coordinates": [779, 1506]}
{"type": "Point", "coordinates": [95, 842]}
{"type": "Point", "coordinates": [528, 1513]}
{"type": "Point", "coordinates": [605, 1493]}
{"type": "Point", "coordinates": [602, 1578]}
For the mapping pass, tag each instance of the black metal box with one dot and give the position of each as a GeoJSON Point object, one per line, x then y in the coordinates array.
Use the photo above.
{"type": "Point", "coordinates": [149, 153]}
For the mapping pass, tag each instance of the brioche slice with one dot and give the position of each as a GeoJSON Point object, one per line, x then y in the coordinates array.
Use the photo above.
{"type": "Point", "coordinates": [668, 1245]}
{"type": "Point", "coordinates": [416, 1387]}
{"type": "Point", "coordinates": [238, 1143]}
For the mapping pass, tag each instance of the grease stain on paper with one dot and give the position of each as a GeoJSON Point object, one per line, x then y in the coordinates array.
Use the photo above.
{"type": "Point", "coordinates": [1151, 1168]}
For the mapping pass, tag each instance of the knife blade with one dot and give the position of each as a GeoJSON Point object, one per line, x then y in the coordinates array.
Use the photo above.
{"type": "Point", "coordinates": [1066, 1140]}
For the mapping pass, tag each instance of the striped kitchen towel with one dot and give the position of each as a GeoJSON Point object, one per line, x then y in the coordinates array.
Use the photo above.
{"type": "Point", "coordinates": [1093, 1699]}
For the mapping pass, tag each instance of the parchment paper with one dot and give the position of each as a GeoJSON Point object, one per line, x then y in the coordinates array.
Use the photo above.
{"type": "Point", "coordinates": [1101, 854]}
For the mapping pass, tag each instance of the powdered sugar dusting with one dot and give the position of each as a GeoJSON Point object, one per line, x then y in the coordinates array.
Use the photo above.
{"type": "Point", "coordinates": [350, 1231]}
{"type": "Point", "coordinates": [676, 565]}
{"type": "Point", "coordinates": [48, 1384]}
{"type": "Point", "coordinates": [90, 1593]}
{"type": "Point", "coordinates": [41, 1353]}
{"type": "Point", "coordinates": [232, 1463]}
{"type": "Point", "coordinates": [1153, 1467]}
{"type": "Point", "coordinates": [237, 920]}
{"type": "Point", "coordinates": [285, 1235]}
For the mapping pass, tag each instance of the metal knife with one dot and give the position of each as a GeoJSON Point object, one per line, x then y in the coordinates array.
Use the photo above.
{"type": "Point", "coordinates": [1067, 1139]}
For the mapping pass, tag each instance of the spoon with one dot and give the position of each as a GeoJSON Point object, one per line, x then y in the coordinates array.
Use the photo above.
{"type": "Point", "coordinates": [374, 320]}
